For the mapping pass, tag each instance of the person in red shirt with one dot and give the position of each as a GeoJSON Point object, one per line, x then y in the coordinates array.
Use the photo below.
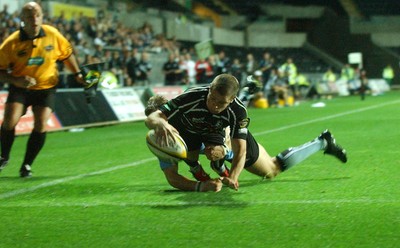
{"type": "Point", "coordinates": [204, 71]}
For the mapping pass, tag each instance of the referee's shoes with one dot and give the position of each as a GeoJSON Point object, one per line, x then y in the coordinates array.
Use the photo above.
{"type": "Point", "coordinates": [3, 163]}
{"type": "Point", "coordinates": [25, 171]}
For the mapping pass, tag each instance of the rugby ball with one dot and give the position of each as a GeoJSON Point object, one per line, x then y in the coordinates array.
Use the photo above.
{"type": "Point", "coordinates": [175, 151]}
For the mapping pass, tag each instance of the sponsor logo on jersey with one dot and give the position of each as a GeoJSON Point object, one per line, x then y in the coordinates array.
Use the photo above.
{"type": "Point", "coordinates": [244, 123]}
{"type": "Point", "coordinates": [49, 48]}
{"type": "Point", "coordinates": [35, 61]}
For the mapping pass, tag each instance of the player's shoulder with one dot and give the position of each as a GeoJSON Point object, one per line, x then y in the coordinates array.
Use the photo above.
{"type": "Point", "coordinates": [194, 93]}
{"type": "Point", "coordinates": [47, 27]}
{"type": "Point", "coordinates": [12, 38]}
{"type": "Point", "coordinates": [237, 104]}
{"type": "Point", "coordinates": [50, 29]}
{"type": "Point", "coordinates": [198, 89]}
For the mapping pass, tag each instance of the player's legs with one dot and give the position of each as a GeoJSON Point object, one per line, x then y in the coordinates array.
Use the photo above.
{"type": "Point", "coordinates": [38, 135]}
{"type": "Point", "coordinates": [265, 165]}
{"type": "Point", "coordinates": [41, 116]}
{"type": "Point", "coordinates": [43, 102]}
{"type": "Point", "coordinates": [324, 142]}
{"type": "Point", "coordinates": [12, 113]}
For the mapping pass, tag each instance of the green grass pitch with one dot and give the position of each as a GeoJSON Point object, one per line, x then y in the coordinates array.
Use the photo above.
{"type": "Point", "coordinates": [103, 188]}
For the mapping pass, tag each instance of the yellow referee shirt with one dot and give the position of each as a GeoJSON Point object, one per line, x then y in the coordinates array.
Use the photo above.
{"type": "Point", "coordinates": [35, 58]}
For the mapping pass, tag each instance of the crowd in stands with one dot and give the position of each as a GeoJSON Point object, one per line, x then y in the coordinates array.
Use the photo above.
{"type": "Point", "coordinates": [125, 52]}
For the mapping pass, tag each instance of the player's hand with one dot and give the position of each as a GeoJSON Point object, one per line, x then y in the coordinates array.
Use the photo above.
{"type": "Point", "coordinates": [214, 153]}
{"type": "Point", "coordinates": [233, 184]}
{"type": "Point", "coordinates": [79, 77]}
{"type": "Point", "coordinates": [211, 185]}
{"type": "Point", "coordinates": [164, 134]}
{"type": "Point", "coordinates": [24, 82]}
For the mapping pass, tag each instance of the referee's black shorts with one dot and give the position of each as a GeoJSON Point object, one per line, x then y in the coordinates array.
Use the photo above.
{"type": "Point", "coordinates": [42, 98]}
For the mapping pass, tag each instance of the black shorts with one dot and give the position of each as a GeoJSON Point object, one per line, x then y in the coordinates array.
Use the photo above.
{"type": "Point", "coordinates": [252, 150]}
{"type": "Point", "coordinates": [194, 141]}
{"type": "Point", "coordinates": [43, 98]}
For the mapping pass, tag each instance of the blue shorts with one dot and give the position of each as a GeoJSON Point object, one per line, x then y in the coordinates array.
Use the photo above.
{"type": "Point", "coordinates": [164, 165]}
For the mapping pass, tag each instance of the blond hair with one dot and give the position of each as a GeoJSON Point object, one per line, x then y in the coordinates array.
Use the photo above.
{"type": "Point", "coordinates": [154, 103]}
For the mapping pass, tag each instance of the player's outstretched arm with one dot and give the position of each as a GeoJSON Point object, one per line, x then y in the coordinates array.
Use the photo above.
{"type": "Point", "coordinates": [239, 159]}
{"type": "Point", "coordinates": [180, 182]}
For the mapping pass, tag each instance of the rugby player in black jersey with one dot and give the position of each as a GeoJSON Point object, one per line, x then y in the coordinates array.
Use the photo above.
{"type": "Point", "coordinates": [203, 115]}
{"type": "Point", "coordinates": [200, 115]}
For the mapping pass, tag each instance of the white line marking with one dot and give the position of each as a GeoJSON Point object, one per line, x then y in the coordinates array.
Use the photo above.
{"type": "Point", "coordinates": [71, 178]}
{"type": "Point", "coordinates": [206, 203]}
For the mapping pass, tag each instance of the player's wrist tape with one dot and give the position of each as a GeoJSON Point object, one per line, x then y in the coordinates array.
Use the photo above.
{"type": "Point", "coordinates": [198, 186]}
{"type": "Point", "coordinates": [78, 73]}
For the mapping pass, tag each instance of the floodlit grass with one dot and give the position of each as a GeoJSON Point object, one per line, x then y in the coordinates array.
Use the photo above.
{"type": "Point", "coordinates": [103, 188]}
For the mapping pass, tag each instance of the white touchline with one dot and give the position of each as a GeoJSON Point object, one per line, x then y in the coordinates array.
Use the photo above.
{"type": "Point", "coordinates": [202, 203]}
{"type": "Point", "coordinates": [71, 178]}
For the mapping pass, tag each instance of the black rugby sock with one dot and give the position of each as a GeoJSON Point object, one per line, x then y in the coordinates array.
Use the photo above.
{"type": "Point", "coordinates": [7, 138]}
{"type": "Point", "coordinates": [35, 143]}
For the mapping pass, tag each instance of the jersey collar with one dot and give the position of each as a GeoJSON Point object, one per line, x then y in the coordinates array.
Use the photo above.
{"type": "Point", "coordinates": [23, 36]}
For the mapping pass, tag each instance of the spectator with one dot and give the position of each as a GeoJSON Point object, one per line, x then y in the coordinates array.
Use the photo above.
{"type": "Point", "coordinates": [265, 67]}
{"type": "Point", "coordinates": [131, 65]}
{"type": "Point", "coordinates": [348, 74]}
{"type": "Point", "coordinates": [236, 70]}
{"type": "Point", "coordinates": [91, 28]}
{"type": "Point", "coordinates": [303, 85]}
{"type": "Point", "coordinates": [171, 71]}
{"type": "Point", "coordinates": [363, 84]}
{"type": "Point", "coordinates": [116, 63]}
{"type": "Point", "coordinates": [212, 60]}
{"type": "Point", "coordinates": [203, 71]}
{"type": "Point", "coordinates": [388, 74]}
{"type": "Point", "coordinates": [288, 71]}
{"type": "Point", "coordinates": [222, 63]}
{"type": "Point", "coordinates": [188, 65]}
{"type": "Point", "coordinates": [4, 12]}
{"type": "Point", "coordinates": [276, 88]}
{"type": "Point", "coordinates": [328, 82]}
{"type": "Point", "coordinates": [147, 35]}
{"type": "Point", "coordinates": [143, 70]}
{"type": "Point", "coordinates": [251, 64]}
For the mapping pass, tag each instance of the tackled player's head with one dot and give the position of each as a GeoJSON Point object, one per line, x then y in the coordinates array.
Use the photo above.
{"type": "Point", "coordinates": [154, 103]}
